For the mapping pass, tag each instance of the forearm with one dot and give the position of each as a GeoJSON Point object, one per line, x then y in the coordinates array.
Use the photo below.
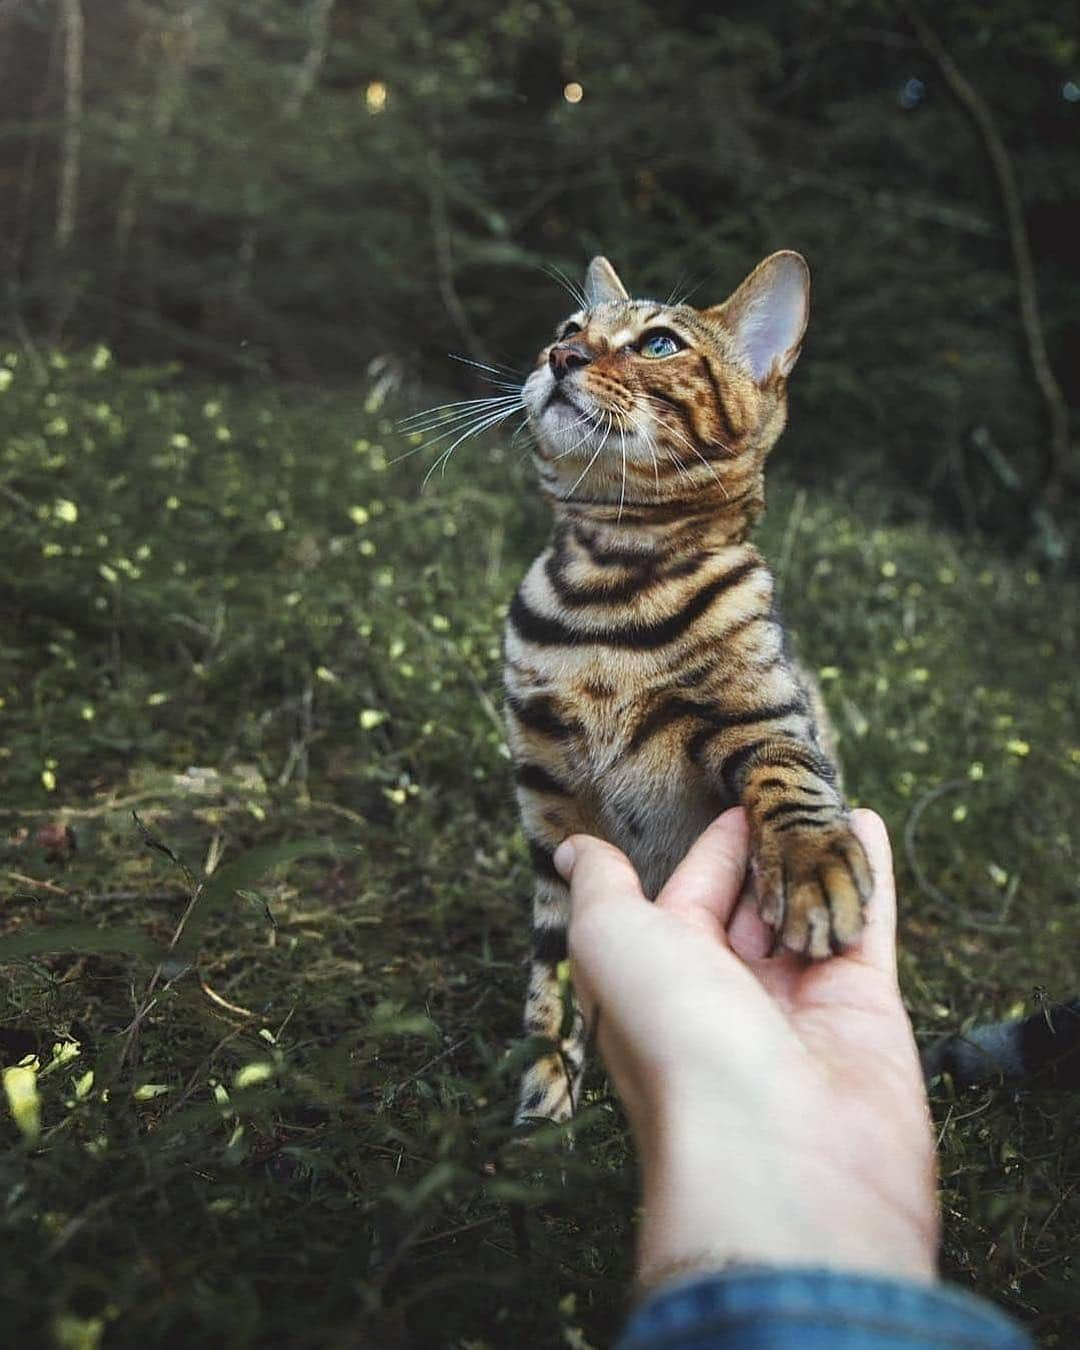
{"type": "Point", "coordinates": [712, 1195]}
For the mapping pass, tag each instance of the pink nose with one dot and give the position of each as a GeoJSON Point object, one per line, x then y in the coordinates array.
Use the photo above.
{"type": "Point", "coordinates": [565, 357]}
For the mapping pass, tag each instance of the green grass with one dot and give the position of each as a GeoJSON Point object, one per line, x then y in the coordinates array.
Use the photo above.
{"type": "Point", "coordinates": [232, 613]}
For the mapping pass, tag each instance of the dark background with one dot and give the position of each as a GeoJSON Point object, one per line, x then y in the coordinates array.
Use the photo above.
{"type": "Point", "coordinates": [338, 191]}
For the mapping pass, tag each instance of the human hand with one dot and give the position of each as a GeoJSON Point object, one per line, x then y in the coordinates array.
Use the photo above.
{"type": "Point", "coordinates": [777, 1104]}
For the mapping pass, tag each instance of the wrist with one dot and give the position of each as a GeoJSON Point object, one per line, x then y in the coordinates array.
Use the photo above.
{"type": "Point", "coordinates": [720, 1191]}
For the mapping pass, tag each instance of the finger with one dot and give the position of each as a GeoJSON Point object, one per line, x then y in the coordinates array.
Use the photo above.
{"type": "Point", "coordinates": [605, 901]}
{"type": "Point", "coordinates": [750, 936]}
{"type": "Point", "coordinates": [878, 945]}
{"type": "Point", "coordinates": [596, 872]}
{"type": "Point", "coordinates": [602, 884]}
{"type": "Point", "coordinates": [706, 884]}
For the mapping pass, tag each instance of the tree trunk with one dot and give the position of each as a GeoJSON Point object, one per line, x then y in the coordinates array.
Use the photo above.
{"type": "Point", "coordinates": [314, 57]}
{"type": "Point", "coordinates": [67, 205]}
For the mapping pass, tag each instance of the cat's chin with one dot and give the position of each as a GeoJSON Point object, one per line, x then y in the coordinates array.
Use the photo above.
{"type": "Point", "coordinates": [563, 427]}
{"type": "Point", "coordinates": [560, 409]}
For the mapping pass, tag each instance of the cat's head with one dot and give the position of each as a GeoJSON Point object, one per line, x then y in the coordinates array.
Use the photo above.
{"type": "Point", "coordinates": [636, 401]}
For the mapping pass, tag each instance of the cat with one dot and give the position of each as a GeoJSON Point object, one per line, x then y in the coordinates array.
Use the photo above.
{"type": "Point", "coordinates": [649, 681]}
{"type": "Point", "coordinates": [1041, 1050]}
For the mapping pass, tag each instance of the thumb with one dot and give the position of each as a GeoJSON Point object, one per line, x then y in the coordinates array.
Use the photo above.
{"type": "Point", "coordinates": [598, 874]}
{"type": "Point", "coordinates": [604, 894]}
{"type": "Point", "coordinates": [706, 885]}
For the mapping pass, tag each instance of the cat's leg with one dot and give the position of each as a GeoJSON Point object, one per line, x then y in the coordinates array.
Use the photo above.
{"type": "Point", "coordinates": [551, 1084]}
{"type": "Point", "coordinates": [810, 871]}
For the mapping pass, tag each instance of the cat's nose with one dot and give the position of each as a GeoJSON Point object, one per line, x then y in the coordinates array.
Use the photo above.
{"type": "Point", "coordinates": [567, 356]}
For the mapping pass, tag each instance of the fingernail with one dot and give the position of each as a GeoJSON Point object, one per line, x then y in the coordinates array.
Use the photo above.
{"type": "Point", "coordinates": [563, 858]}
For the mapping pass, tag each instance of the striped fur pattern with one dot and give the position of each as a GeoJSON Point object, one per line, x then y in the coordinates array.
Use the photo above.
{"type": "Point", "coordinates": [649, 681]}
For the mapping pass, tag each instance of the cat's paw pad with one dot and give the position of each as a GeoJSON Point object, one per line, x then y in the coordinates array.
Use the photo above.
{"type": "Point", "coordinates": [813, 885]}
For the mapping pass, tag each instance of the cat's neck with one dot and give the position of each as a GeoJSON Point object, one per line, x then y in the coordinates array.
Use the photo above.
{"type": "Point", "coordinates": [652, 528]}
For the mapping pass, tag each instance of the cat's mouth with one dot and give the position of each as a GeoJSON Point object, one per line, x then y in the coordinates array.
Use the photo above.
{"type": "Point", "coordinates": [559, 395]}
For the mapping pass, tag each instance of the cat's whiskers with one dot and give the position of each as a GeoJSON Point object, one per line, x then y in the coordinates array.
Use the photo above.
{"type": "Point", "coordinates": [622, 486]}
{"type": "Point", "coordinates": [680, 467]}
{"type": "Point", "coordinates": [446, 420]}
{"type": "Point", "coordinates": [444, 457]}
{"type": "Point", "coordinates": [516, 385]}
{"type": "Point", "coordinates": [480, 423]}
{"type": "Point", "coordinates": [595, 455]}
{"type": "Point", "coordinates": [497, 369]}
{"type": "Point", "coordinates": [468, 422]}
{"type": "Point", "coordinates": [683, 439]}
{"type": "Point", "coordinates": [444, 412]}
{"type": "Point", "coordinates": [522, 426]}
{"type": "Point", "coordinates": [571, 288]}
{"type": "Point", "coordinates": [642, 430]}
{"type": "Point", "coordinates": [671, 302]}
{"type": "Point", "coordinates": [676, 300]}
{"type": "Point", "coordinates": [592, 418]}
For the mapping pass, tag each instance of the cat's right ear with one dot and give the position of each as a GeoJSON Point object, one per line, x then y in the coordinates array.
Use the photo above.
{"type": "Point", "coordinates": [602, 284]}
{"type": "Point", "coordinates": [767, 315]}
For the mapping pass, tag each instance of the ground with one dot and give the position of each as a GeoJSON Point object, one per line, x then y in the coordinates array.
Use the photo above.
{"type": "Point", "coordinates": [271, 1106]}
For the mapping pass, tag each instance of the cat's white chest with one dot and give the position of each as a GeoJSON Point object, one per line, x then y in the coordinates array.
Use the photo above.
{"type": "Point", "coordinates": [652, 809]}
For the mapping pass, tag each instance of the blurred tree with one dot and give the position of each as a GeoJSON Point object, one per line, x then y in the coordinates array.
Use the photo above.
{"type": "Point", "coordinates": [309, 187]}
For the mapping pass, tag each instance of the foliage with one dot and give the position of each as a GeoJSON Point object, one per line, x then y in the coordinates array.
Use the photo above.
{"type": "Point", "coordinates": [233, 612]}
{"type": "Point", "coordinates": [311, 188]}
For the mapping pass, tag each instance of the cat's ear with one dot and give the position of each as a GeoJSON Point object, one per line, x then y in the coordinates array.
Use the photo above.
{"type": "Point", "coordinates": [602, 284]}
{"type": "Point", "coordinates": [767, 315]}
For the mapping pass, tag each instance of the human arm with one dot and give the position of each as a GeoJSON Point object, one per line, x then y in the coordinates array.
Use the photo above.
{"type": "Point", "coordinates": [777, 1105]}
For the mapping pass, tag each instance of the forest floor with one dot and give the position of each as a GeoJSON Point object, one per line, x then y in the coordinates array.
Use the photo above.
{"type": "Point", "coordinates": [268, 1080]}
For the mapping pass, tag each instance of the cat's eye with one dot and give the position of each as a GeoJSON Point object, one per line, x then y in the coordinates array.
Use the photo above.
{"type": "Point", "coordinates": [567, 330]}
{"type": "Point", "coordinates": [660, 344]}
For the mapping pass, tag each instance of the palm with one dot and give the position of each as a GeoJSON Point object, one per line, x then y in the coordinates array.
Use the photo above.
{"type": "Point", "coordinates": [844, 1012]}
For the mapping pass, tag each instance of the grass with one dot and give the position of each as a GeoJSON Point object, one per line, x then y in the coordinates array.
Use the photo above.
{"type": "Point", "coordinates": [275, 1069]}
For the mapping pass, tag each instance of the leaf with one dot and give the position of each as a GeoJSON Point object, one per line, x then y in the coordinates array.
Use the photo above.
{"type": "Point", "coordinates": [21, 1090]}
{"type": "Point", "coordinates": [148, 1091]}
{"type": "Point", "coordinates": [78, 937]}
{"type": "Point", "coordinates": [159, 846]}
{"type": "Point", "coordinates": [440, 1178]}
{"type": "Point", "coordinates": [260, 901]}
{"type": "Point", "coordinates": [250, 1074]}
{"type": "Point", "coordinates": [241, 875]}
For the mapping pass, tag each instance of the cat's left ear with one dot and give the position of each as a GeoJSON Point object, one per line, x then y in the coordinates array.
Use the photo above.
{"type": "Point", "coordinates": [602, 284]}
{"type": "Point", "coordinates": [767, 315]}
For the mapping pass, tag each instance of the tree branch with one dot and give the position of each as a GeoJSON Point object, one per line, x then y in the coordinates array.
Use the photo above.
{"type": "Point", "coordinates": [68, 196]}
{"type": "Point", "coordinates": [444, 259]}
{"type": "Point", "coordinates": [965, 93]}
{"type": "Point", "coordinates": [314, 57]}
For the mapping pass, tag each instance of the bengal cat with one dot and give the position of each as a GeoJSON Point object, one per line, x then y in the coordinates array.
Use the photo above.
{"type": "Point", "coordinates": [649, 680]}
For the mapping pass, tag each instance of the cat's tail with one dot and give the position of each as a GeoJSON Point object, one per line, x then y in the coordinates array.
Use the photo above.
{"type": "Point", "coordinates": [1042, 1051]}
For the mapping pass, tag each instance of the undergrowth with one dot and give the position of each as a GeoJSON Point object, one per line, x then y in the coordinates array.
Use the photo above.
{"type": "Point", "coordinates": [265, 902]}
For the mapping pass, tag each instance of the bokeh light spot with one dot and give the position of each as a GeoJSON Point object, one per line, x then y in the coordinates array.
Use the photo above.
{"type": "Point", "coordinates": [573, 92]}
{"type": "Point", "coordinates": [912, 93]}
{"type": "Point", "coordinates": [375, 96]}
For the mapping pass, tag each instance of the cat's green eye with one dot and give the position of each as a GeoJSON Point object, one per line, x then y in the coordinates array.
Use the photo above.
{"type": "Point", "coordinates": [660, 344]}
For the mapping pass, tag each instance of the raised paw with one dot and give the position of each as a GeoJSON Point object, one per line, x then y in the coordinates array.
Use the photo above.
{"type": "Point", "coordinates": [812, 885]}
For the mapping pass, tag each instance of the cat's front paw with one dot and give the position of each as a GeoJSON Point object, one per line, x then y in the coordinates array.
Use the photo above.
{"type": "Point", "coordinates": [812, 885]}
